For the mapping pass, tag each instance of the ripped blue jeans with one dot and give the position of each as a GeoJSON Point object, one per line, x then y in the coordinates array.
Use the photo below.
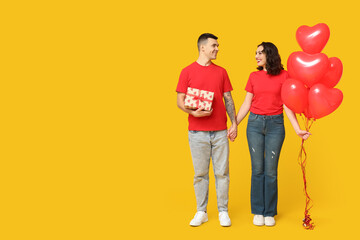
{"type": "Point", "coordinates": [265, 135]}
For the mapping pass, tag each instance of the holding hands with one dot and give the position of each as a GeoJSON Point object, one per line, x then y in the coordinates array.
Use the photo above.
{"type": "Point", "coordinates": [232, 132]}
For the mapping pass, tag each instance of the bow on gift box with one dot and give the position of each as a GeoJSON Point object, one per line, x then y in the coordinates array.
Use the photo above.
{"type": "Point", "coordinates": [196, 98]}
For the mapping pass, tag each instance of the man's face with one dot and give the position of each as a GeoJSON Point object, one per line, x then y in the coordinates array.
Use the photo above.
{"type": "Point", "coordinates": [210, 49]}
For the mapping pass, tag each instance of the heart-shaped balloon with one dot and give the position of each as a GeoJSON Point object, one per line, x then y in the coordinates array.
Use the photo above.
{"type": "Point", "coordinates": [333, 75]}
{"type": "Point", "coordinates": [313, 39]}
{"type": "Point", "coordinates": [323, 100]}
{"type": "Point", "coordinates": [294, 94]}
{"type": "Point", "coordinates": [308, 68]}
{"type": "Point", "coordinates": [307, 113]}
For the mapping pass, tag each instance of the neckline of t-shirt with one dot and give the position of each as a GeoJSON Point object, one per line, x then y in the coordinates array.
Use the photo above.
{"type": "Point", "coordinates": [211, 64]}
{"type": "Point", "coordinates": [281, 71]}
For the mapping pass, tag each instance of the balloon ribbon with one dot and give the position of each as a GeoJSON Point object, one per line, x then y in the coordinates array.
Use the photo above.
{"type": "Point", "coordinates": [307, 221]}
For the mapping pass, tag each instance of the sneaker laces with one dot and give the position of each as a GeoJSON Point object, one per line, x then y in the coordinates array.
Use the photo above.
{"type": "Point", "coordinates": [198, 214]}
{"type": "Point", "coordinates": [224, 215]}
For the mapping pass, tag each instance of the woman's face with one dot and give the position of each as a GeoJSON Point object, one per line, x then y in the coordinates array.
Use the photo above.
{"type": "Point", "coordinates": [260, 57]}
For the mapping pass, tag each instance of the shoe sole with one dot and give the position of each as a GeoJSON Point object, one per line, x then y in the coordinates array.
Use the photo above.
{"type": "Point", "coordinates": [227, 225]}
{"type": "Point", "coordinates": [269, 225]}
{"type": "Point", "coordinates": [200, 223]}
{"type": "Point", "coordinates": [258, 224]}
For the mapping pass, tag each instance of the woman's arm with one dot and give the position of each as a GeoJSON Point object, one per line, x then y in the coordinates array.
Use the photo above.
{"type": "Point", "coordinates": [245, 107]}
{"type": "Point", "coordinates": [293, 120]}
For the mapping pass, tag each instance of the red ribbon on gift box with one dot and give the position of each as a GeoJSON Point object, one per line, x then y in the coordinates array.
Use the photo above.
{"type": "Point", "coordinates": [196, 97]}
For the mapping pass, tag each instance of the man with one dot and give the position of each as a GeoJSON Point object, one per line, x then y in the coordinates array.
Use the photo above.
{"type": "Point", "coordinates": [208, 137]}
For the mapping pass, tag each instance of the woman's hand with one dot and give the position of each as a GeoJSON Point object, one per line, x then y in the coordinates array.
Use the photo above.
{"type": "Point", "coordinates": [303, 134]}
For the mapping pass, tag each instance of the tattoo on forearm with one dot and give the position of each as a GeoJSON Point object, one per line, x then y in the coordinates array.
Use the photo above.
{"type": "Point", "coordinates": [230, 107]}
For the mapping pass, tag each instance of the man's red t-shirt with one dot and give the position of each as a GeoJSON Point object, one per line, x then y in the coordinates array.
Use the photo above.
{"type": "Point", "coordinates": [267, 92]}
{"type": "Point", "coordinates": [209, 78]}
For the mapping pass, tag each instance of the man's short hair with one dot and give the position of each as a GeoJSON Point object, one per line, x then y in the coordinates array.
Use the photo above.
{"type": "Point", "coordinates": [204, 37]}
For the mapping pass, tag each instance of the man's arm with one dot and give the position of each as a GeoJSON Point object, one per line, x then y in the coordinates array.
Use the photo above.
{"type": "Point", "coordinates": [197, 113]}
{"type": "Point", "coordinates": [230, 109]}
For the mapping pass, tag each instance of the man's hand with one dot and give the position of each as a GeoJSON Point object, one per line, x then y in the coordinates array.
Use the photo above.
{"type": "Point", "coordinates": [200, 113]}
{"type": "Point", "coordinates": [232, 132]}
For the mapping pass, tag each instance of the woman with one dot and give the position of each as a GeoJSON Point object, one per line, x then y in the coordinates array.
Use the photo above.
{"type": "Point", "coordinates": [265, 130]}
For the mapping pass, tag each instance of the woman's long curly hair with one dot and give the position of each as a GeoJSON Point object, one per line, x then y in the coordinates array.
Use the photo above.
{"type": "Point", "coordinates": [273, 60]}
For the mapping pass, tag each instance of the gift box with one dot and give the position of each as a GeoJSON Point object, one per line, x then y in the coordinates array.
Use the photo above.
{"type": "Point", "coordinates": [196, 98]}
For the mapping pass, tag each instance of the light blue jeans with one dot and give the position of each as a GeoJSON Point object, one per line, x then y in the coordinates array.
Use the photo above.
{"type": "Point", "coordinates": [215, 145]}
{"type": "Point", "coordinates": [265, 136]}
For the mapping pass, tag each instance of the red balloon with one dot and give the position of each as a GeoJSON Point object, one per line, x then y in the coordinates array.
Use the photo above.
{"type": "Point", "coordinates": [294, 94]}
{"type": "Point", "coordinates": [308, 68]}
{"type": "Point", "coordinates": [308, 114]}
{"type": "Point", "coordinates": [333, 75]}
{"type": "Point", "coordinates": [313, 39]}
{"type": "Point", "coordinates": [323, 100]}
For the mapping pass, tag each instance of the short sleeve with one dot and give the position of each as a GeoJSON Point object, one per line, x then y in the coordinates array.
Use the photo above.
{"type": "Point", "coordinates": [183, 82]}
{"type": "Point", "coordinates": [249, 87]}
{"type": "Point", "coordinates": [227, 83]}
{"type": "Point", "coordinates": [284, 76]}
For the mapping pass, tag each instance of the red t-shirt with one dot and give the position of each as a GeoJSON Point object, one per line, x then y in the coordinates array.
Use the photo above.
{"type": "Point", "coordinates": [209, 78]}
{"type": "Point", "coordinates": [267, 92]}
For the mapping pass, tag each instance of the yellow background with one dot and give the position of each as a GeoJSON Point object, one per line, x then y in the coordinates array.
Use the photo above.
{"type": "Point", "coordinates": [93, 145]}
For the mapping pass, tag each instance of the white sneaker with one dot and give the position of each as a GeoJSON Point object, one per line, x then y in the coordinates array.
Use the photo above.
{"type": "Point", "coordinates": [224, 219]}
{"type": "Point", "coordinates": [269, 221]}
{"type": "Point", "coordinates": [258, 220]}
{"type": "Point", "coordinates": [199, 218]}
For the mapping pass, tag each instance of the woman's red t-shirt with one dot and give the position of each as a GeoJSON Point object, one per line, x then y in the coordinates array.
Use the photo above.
{"type": "Point", "coordinates": [267, 92]}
